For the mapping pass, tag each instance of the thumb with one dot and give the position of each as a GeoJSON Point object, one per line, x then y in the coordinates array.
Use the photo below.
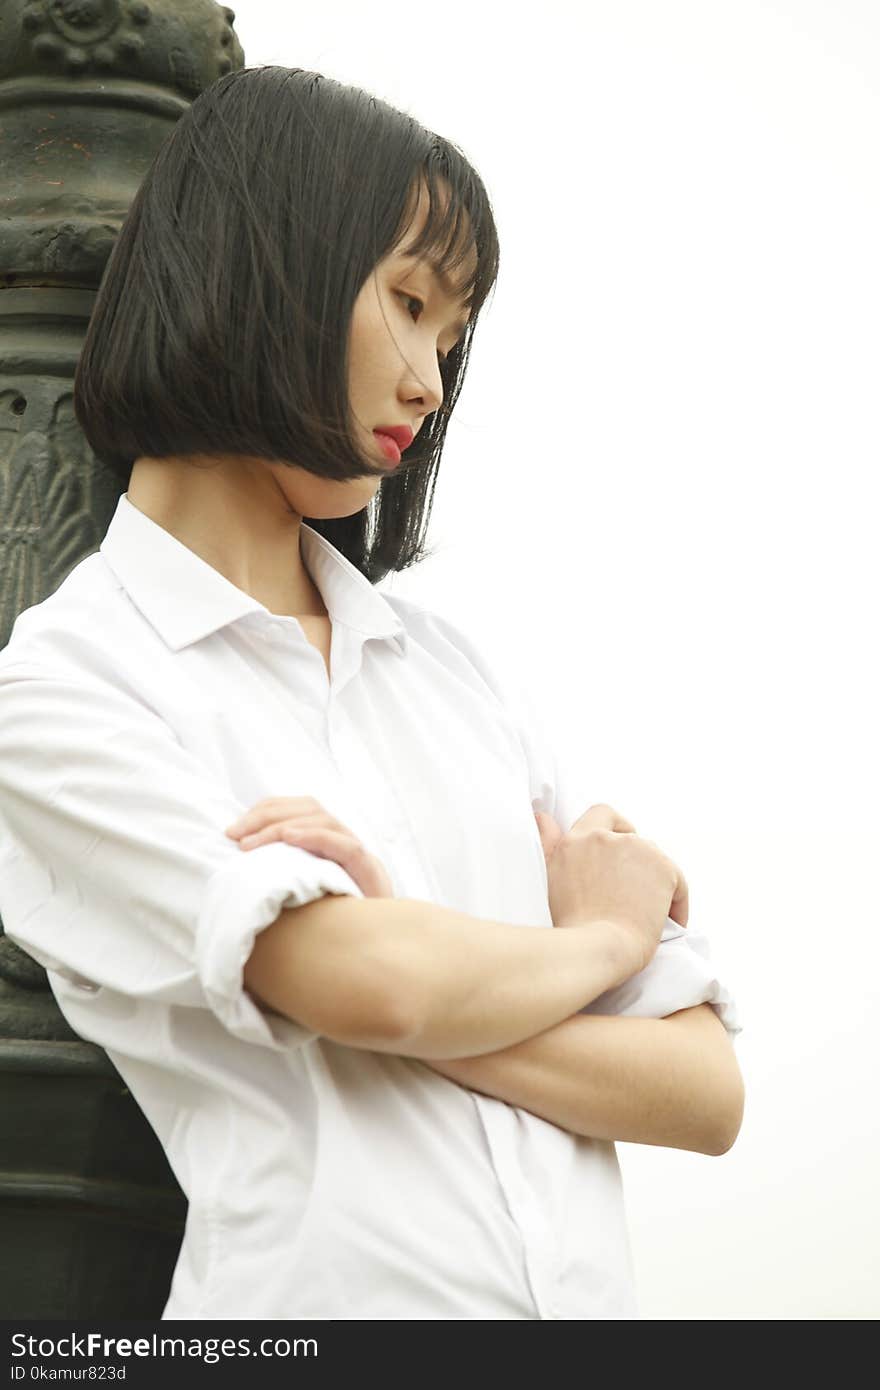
{"type": "Point", "coordinates": [550, 832]}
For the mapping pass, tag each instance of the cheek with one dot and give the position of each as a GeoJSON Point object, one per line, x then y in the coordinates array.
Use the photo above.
{"type": "Point", "coordinates": [372, 347]}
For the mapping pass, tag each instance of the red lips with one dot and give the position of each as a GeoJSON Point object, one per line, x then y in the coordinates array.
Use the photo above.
{"type": "Point", "coordinates": [401, 434]}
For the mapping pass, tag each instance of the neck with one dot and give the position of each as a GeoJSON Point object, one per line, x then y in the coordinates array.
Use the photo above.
{"type": "Point", "coordinates": [237, 520]}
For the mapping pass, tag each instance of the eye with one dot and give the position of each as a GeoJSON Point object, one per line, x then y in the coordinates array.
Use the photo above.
{"type": "Point", "coordinates": [443, 357]}
{"type": "Point", "coordinates": [412, 299]}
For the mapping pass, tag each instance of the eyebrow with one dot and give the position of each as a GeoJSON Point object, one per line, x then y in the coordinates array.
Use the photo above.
{"type": "Point", "coordinates": [445, 284]}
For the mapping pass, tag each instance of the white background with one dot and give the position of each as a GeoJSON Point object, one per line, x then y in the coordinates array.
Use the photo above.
{"type": "Point", "coordinates": [658, 508]}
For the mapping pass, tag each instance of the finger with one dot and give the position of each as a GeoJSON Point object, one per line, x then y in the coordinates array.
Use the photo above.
{"type": "Point", "coordinates": [368, 872]}
{"type": "Point", "coordinates": [345, 850]}
{"type": "Point", "coordinates": [375, 882]}
{"type": "Point", "coordinates": [307, 821]}
{"type": "Point", "coordinates": [277, 809]}
{"type": "Point", "coordinates": [287, 830]}
{"type": "Point", "coordinates": [550, 832]}
{"type": "Point", "coordinates": [602, 817]}
{"type": "Point", "coordinates": [679, 908]}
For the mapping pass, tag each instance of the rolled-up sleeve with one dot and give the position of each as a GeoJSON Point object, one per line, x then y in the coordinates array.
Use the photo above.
{"type": "Point", "coordinates": [681, 973]}
{"type": "Point", "coordinates": [115, 871]}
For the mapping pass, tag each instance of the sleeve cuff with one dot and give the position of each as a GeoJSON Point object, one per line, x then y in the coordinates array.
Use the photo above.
{"type": "Point", "coordinates": [242, 898]}
{"type": "Point", "coordinates": [680, 975]}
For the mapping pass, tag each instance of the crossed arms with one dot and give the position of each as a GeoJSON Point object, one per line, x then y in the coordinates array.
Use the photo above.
{"type": "Point", "coordinates": [672, 1081]}
{"type": "Point", "coordinates": [494, 1007]}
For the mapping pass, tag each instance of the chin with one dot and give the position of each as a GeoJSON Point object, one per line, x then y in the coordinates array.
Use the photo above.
{"type": "Point", "coordinates": [330, 500]}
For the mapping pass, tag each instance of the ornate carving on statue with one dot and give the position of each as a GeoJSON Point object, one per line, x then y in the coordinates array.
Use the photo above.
{"type": "Point", "coordinates": [189, 47]}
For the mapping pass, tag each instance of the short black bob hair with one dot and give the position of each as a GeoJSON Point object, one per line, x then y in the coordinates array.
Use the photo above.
{"type": "Point", "coordinates": [222, 318]}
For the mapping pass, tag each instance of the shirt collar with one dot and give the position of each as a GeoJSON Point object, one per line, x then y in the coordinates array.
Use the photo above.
{"type": "Point", "coordinates": [186, 599]}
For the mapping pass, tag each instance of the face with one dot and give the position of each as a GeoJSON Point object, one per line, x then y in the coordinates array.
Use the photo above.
{"type": "Point", "coordinates": [403, 322]}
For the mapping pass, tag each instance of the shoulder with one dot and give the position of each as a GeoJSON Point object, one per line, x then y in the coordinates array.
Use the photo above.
{"type": "Point", "coordinates": [464, 650]}
{"type": "Point", "coordinates": [72, 614]}
{"type": "Point", "coordinates": [85, 634]}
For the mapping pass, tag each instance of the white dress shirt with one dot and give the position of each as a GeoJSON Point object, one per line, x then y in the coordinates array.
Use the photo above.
{"type": "Point", "coordinates": [147, 703]}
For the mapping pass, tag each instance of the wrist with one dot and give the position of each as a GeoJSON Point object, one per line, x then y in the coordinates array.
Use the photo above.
{"type": "Point", "coordinates": [621, 948]}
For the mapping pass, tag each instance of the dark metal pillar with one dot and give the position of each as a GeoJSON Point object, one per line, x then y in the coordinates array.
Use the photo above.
{"type": "Point", "coordinates": [91, 1214]}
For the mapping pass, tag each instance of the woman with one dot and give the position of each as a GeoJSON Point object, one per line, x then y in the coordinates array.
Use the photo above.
{"type": "Point", "coordinates": [387, 1090]}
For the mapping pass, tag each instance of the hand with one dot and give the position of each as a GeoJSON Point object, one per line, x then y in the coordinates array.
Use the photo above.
{"type": "Point", "coordinates": [456, 1068]}
{"type": "Point", "coordinates": [594, 874]}
{"type": "Point", "coordinates": [602, 815]}
{"type": "Point", "coordinates": [551, 832]}
{"type": "Point", "coordinates": [302, 821]}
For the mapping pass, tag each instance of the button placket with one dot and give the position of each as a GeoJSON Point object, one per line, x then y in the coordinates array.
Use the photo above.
{"type": "Point", "coordinates": [348, 752]}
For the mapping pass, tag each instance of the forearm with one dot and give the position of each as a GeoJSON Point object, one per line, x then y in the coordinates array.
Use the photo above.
{"type": "Point", "coordinates": [410, 977]}
{"type": "Point", "coordinates": [672, 1082]}
{"type": "Point", "coordinates": [476, 986]}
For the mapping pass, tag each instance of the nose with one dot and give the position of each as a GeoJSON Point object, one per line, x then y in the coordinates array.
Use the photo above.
{"type": "Point", "coordinates": [425, 384]}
